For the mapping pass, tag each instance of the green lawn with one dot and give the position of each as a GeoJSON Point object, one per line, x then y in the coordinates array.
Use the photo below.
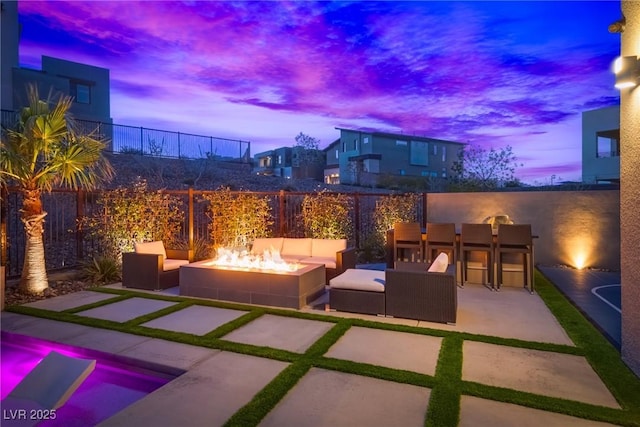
{"type": "Point", "coordinates": [447, 385]}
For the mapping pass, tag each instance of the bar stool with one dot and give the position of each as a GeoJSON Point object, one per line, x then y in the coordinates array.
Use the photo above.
{"type": "Point", "coordinates": [407, 235]}
{"type": "Point", "coordinates": [441, 237]}
{"type": "Point", "coordinates": [477, 238]}
{"type": "Point", "coordinates": [516, 238]}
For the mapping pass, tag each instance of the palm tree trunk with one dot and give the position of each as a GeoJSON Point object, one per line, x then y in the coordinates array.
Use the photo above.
{"type": "Point", "coordinates": [34, 273]}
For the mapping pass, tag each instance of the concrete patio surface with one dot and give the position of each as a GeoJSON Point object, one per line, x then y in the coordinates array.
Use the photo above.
{"type": "Point", "coordinates": [215, 383]}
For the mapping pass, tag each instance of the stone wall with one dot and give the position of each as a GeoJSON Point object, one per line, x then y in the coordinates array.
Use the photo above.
{"type": "Point", "coordinates": [575, 228]}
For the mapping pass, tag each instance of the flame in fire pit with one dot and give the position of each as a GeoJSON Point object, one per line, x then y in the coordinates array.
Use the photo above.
{"type": "Point", "coordinates": [269, 260]}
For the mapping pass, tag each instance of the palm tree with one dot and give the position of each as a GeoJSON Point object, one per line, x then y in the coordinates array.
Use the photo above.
{"type": "Point", "coordinates": [45, 149]}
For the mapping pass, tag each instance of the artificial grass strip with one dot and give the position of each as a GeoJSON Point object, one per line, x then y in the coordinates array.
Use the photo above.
{"type": "Point", "coordinates": [157, 314]}
{"type": "Point", "coordinates": [237, 323]}
{"type": "Point", "coordinates": [253, 412]}
{"type": "Point", "coordinates": [96, 304]}
{"type": "Point", "coordinates": [374, 371]}
{"type": "Point", "coordinates": [444, 404]}
{"type": "Point", "coordinates": [322, 345]}
{"type": "Point", "coordinates": [548, 403]}
{"type": "Point", "coordinates": [447, 386]}
{"type": "Point", "coordinates": [602, 356]}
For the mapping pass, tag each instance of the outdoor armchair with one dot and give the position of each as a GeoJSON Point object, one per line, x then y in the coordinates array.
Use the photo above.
{"type": "Point", "coordinates": [422, 295]}
{"type": "Point", "coordinates": [152, 266]}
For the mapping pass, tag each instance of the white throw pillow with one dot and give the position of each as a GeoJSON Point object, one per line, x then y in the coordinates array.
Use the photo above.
{"type": "Point", "coordinates": [440, 264]}
{"type": "Point", "coordinates": [156, 248]}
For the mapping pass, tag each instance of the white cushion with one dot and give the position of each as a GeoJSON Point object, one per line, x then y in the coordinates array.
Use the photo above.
{"type": "Point", "coordinates": [266, 243]}
{"type": "Point", "coordinates": [359, 280]}
{"type": "Point", "coordinates": [329, 262]}
{"type": "Point", "coordinates": [327, 247]}
{"type": "Point", "coordinates": [293, 246]}
{"type": "Point", "coordinates": [292, 258]}
{"type": "Point", "coordinates": [440, 264]}
{"type": "Point", "coordinates": [156, 248]}
{"type": "Point", "coordinates": [173, 264]}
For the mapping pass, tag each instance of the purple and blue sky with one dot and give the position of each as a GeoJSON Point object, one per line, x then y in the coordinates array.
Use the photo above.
{"type": "Point", "coordinates": [487, 73]}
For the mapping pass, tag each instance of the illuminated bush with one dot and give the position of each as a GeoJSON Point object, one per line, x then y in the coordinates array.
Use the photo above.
{"type": "Point", "coordinates": [237, 218]}
{"type": "Point", "coordinates": [327, 215]}
{"type": "Point", "coordinates": [128, 215]}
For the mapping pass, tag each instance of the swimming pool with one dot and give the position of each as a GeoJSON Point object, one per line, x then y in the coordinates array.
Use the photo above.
{"type": "Point", "coordinates": [115, 383]}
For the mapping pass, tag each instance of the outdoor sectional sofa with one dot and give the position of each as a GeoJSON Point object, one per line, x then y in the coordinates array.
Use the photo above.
{"type": "Point", "coordinates": [411, 292]}
{"type": "Point", "coordinates": [333, 253]}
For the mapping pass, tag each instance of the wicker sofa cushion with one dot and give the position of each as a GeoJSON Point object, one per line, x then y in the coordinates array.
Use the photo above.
{"type": "Point", "coordinates": [440, 264]}
{"type": "Point", "coordinates": [156, 248]}
{"type": "Point", "coordinates": [266, 243]}
{"type": "Point", "coordinates": [173, 264]}
{"type": "Point", "coordinates": [297, 246]}
{"type": "Point", "coordinates": [329, 262]}
{"type": "Point", "coordinates": [360, 280]}
{"type": "Point", "coordinates": [327, 248]}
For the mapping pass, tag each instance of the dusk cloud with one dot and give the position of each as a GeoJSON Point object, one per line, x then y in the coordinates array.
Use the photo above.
{"type": "Point", "coordinates": [488, 73]}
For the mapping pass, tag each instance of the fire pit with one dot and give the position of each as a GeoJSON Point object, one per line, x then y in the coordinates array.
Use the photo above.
{"type": "Point", "coordinates": [264, 280]}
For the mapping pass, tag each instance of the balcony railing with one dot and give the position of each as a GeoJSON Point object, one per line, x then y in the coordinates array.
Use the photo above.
{"type": "Point", "coordinates": [159, 143]}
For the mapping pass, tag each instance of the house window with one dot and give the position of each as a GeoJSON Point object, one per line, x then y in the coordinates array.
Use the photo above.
{"type": "Point", "coordinates": [424, 173]}
{"type": "Point", "coordinates": [608, 143]}
{"type": "Point", "coordinates": [401, 172]}
{"type": "Point", "coordinates": [444, 154]}
{"type": "Point", "coordinates": [419, 153]}
{"type": "Point", "coordinates": [337, 153]}
{"type": "Point", "coordinates": [81, 93]}
{"type": "Point", "coordinates": [279, 159]}
{"type": "Point", "coordinates": [435, 150]}
{"type": "Point", "coordinates": [401, 143]}
{"type": "Point", "coordinates": [365, 140]}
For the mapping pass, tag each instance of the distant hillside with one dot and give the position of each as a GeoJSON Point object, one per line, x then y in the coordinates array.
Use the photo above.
{"type": "Point", "coordinates": [208, 174]}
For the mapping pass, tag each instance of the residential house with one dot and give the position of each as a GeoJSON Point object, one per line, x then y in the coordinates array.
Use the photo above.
{"type": "Point", "coordinates": [601, 145]}
{"type": "Point", "coordinates": [362, 157]}
{"type": "Point", "coordinates": [87, 84]}
{"type": "Point", "coordinates": [289, 162]}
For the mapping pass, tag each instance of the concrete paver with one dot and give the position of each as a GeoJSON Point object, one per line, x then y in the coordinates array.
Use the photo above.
{"type": "Point", "coordinates": [398, 350]}
{"type": "Point", "coordinates": [169, 353]}
{"type": "Point", "coordinates": [216, 384]}
{"type": "Point", "coordinates": [285, 333]}
{"type": "Point", "coordinates": [206, 319]}
{"type": "Point", "coordinates": [207, 395]}
{"type": "Point", "coordinates": [477, 412]}
{"type": "Point", "coordinates": [123, 311]}
{"type": "Point", "coordinates": [106, 340]}
{"type": "Point", "coordinates": [542, 372]}
{"type": "Point", "coordinates": [76, 299]}
{"type": "Point", "coordinates": [46, 329]}
{"type": "Point", "coordinates": [328, 398]}
{"type": "Point", "coordinates": [511, 313]}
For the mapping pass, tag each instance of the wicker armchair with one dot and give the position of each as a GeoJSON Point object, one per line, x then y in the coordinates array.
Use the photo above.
{"type": "Point", "coordinates": [153, 267]}
{"type": "Point", "coordinates": [422, 295]}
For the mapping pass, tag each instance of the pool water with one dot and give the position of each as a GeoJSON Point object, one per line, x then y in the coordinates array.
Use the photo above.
{"type": "Point", "coordinates": [113, 385]}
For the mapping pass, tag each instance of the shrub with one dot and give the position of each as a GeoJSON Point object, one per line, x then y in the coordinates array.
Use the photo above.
{"type": "Point", "coordinates": [389, 210]}
{"type": "Point", "coordinates": [126, 216]}
{"type": "Point", "coordinates": [101, 271]}
{"type": "Point", "coordinates": [237, 218]}
{"type": "Point", "coordinates": [327, 215]}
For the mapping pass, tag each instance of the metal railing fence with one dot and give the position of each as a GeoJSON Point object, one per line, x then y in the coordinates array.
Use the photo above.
{"type": "Point", "coordinates": [67, 246]}
{"type": "Point", "coordinates": [158, 143]}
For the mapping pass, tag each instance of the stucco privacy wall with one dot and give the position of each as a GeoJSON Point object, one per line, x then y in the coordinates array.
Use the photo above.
{"type": "Point", "coordinates": [574, 227]}
{"type": "Point", "coordinates": [630, 195]}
